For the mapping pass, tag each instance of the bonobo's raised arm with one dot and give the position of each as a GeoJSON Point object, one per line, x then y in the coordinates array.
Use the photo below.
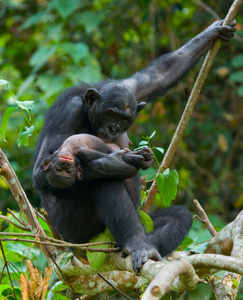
{"type": "Point", "coordinates": [156, 79]}
{"type": "Point", "coordinates": [86, 157]}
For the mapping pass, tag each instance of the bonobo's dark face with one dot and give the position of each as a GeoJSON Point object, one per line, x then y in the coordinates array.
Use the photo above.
{"type": "Point", "coordinates": [112, 110]}
{"type": "Point", "coordinates": [62, 171]}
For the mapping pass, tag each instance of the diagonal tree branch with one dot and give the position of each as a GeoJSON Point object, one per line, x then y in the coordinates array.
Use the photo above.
{"type": "Point", "coordinates": [7, 171]}
{"type": "Point", "coordinates": [190, 106]}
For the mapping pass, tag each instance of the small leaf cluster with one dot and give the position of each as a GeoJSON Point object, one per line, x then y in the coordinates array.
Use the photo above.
{"type": "Point", "coordinates": [23, 106]}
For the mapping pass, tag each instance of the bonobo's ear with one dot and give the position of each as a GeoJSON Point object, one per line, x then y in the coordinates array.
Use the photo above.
{"type": "Point", "coordinates": [45, 165]}
{"type": "Point", "coordinates": [91, 96]}
{"type": "Point", "coordinates": [79, 172]}
{"type": "Point", "coordinates": [140, 106]}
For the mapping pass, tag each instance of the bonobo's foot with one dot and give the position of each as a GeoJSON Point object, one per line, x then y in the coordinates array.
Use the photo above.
{"type": "Point", "coordinates": [142, 158]}
{"type": "Point", "coordinates": [140, 251]}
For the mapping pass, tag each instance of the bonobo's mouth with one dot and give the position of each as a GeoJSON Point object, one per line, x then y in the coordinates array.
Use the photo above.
{"type": "Point", "coordinates": [110, 133]}
{"type": "Point", "coordinates": [66, 157]}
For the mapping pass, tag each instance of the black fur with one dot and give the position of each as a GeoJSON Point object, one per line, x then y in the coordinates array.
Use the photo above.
{"type": "Point", "coordinates": [108, 196]}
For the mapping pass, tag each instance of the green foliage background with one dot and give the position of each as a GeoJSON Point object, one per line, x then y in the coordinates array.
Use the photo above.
{"type": "Point", "coordinates": [46, 46]}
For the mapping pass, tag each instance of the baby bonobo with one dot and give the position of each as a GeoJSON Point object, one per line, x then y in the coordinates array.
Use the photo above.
{"type": "Point", "coordinates": [70, 163]}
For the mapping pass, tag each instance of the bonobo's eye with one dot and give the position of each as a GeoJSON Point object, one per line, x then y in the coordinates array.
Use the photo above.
{"type": "Point", "coordinates": [124, 119]}
{"type": "Point", "coordinates": [109, 113]}
{"type": "Point", "coordinates": [58, 168]}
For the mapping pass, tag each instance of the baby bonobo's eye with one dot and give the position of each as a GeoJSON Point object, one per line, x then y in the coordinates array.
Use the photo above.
{"type": "Point", "coordinates": [58, 168]}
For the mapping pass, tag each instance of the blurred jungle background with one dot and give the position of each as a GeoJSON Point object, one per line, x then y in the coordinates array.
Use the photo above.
{"type": "Point", "coordinates": [47, 46]}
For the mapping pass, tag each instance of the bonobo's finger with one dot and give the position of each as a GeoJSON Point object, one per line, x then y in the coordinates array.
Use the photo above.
{"type": "Point", "coordinates": [138, 261]}
{"type": "Point", "coordinates": [232, 23]}
{"type": "Point", "coordinates": [124, 254]}
{"type": "Point", "coordinates": [155, 256]}
{"type": "Point", "coordinates": [145, 164]}
{"type": "Point", "coordinates": [141, 257]}
{"type": "Point", "coordinates": [227, 37]}
{"type": "Point", "coordinates": [147, 153]}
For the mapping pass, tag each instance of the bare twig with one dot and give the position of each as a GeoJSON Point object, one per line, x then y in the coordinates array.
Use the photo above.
{"type": "Point", "coordinates": [204, 218]}
{"type": "Point", "coordinates": [14, 224]}
{"type": "Point", "coordinates": [109, 250]}
{"type": "Point", "coordinates": [6, 265]}
{"type": "Point", "coordinates": [55, 240]}
{"type": "Point", "coordinates": [115, 288]}
{"type": "Point", "coordinates": [190, 106]}
{"type": "Point", "coordinates": [19, 220]}
{"type": "Point", "coordinates": [207, 8]}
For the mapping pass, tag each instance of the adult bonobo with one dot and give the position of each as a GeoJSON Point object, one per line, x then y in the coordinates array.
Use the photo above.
{"type": "Point", "coordinates": [109, 196]}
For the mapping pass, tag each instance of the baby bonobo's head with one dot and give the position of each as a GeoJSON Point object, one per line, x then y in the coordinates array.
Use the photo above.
{"type": "Point", "coordinates": [62, 169]}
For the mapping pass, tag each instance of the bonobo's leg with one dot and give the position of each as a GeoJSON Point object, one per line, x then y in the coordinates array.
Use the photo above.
{"type": "Point", "coordinates": [171, 225]}
{"type": "Point", "coordinates": [116, 210]}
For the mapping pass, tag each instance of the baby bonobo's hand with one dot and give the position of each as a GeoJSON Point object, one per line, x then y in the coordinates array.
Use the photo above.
{"type": "Point", "coordinates": [142, 158]}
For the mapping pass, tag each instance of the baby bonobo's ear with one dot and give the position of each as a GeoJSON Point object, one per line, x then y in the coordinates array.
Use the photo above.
{"type": "Point", "coordinates": [79, 172]}
{"type": "Point", "coordinates": [45, 165]}
{"type": "Point", "coordinates": [140, 106]}
{"type": "Point", "coordinates": [91, 96]}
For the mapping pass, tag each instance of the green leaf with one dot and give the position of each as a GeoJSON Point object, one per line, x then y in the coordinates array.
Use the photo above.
{"type": "Point", "coordinates": [237, 61]}
{"type": "Point", "coordinates": [26, 105]}
{"type": "Point", "coordinates": [89, 73]}
{"type": "Point", "coordinates": [97, 259]}
{"type": "Point", "coordinates": [198, 248]}
{"type": "Point", "coordinates": [161, 150]}
{"type": "Point", "coordinates": [24, 135]}
{"type": "Point", "coordinates": [167, 184]}
{"type": "Point", "coordinates": [143, 143]}
{"type": "Point", "coordinates": [27, 82]}
{"type": "Point", "coordinates": [235, 283]}
{"type": "Point", "coordinates": [3, 287]}
{"type": "Point", "coordinates": [89, 20]}
{"type": "Point", "coordinates": [23, 250]}
{"type": "Point", "coordinates": [237, 76]}
{"type": "Point", "coordinates": [54, 32]}
{"type": "Point", "coordinates": [33, 20]}
{"type": "Point", "coordinates": [153, 134]}
{"type": "Point", "coordinates": [7, 293]}
{"type": "Point", "coordinates": [76, 51]}
{"type": "Point", "coordinates": [5, 120]}
{"type": "Point", "coordinates": [146, 221]}
{"type": "Point", "coordinates": [3, 82]}
{"type": "Point", "coordinates": [41, 56]}
{"type": "Point", "coordinates": [186, 243]}
{"type": "Point", "coordinates": [57, 287]}
{"type": "Point", "coordinates": [64, 7]}
{"type": "Point", "coordinates": [240, 91]}
{"type": "Point", "coordinates": [51, 85]}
